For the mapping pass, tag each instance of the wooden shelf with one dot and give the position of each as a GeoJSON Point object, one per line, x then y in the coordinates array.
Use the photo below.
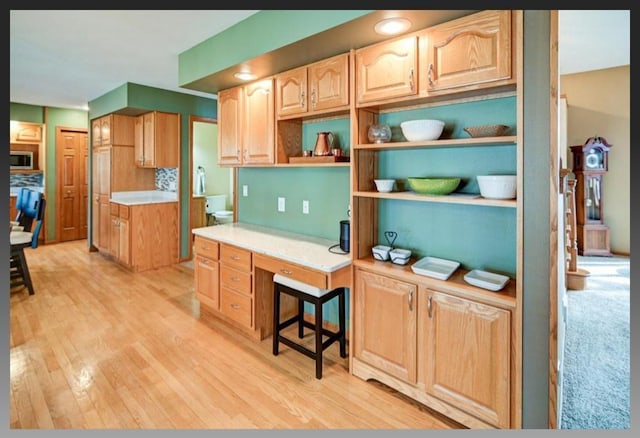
{"type": "Point", "coordinates": [448, 199]}
{"type": "Point", "coordinates": [444, 143]}
{"type": "Point", "coordinates": [318, 160]}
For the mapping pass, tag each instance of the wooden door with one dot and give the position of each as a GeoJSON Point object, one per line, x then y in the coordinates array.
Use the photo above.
{"type": "Point", "coordinates": [466, 356]}
{"type": "Point", "coordinates": [72, 183]}
{"type": "Point", "coordinates": [291, 92]}
{"type": "Point", "coordinates": [259, 123]}
{"type": "Point", "coordinates": [385, 324]}
{"type": "Point", "coordinates": [230, 125]}
{"type": "Point", "coordinates": [329, 83]}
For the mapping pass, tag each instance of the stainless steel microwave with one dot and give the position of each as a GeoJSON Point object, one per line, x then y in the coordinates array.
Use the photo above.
{"type": "Point", "coordinates": [21, 160]}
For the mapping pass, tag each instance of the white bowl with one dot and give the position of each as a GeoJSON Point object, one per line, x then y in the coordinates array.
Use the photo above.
{"type": "Point", "coordinates": [497, 186]}
{"type": "Point", "coordinates": [384, 185]}
{"type": "Point", "coordinates": [422, 130]}
{"type": "Point", "coordinates": [381, 252]}
{"type": "Point", "coordinates": [400, 256]}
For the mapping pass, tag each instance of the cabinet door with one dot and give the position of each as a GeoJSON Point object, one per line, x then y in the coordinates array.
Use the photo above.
{"type": "Point", "coordinates": [387, 70]}
{"type": "Point", "coordinates": [329, 83]}
{"type": "Point", "coordinates": [148, 140]}
{"type": "Point", "coordinates": [166, 139]}
{"type": "Point", "coordinates": [385, 324]}
{"type": "Point", "coordinates": [206, 280]}
{"type": "Point", "coordinates": [124, 241]}
{"type": "Point", "coordinates": [466, 355]}
{"type": "Point", "coordinates": [471, 50]}
{"type": "Point", "coordinates": [96, 129]}
{"type": "Point", "coordinates": [104, 229]}
{"type": "Point", "coordinates": [138, 145]}
{"type": "Point", "coordinates": [105, 130]}
{"type": "Point", "coordinates": [291, 92]}
{"type": "Point", "coordinates": [259, 123]}
{"type": "Point", "coordinates": [114, 232]}
{"type": "Point", "coordinates": [229, 125]}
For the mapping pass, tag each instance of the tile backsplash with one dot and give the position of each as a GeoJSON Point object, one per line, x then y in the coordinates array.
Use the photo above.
{"type": "Point", "coordinates": [167, 179]}
{"type": "Point", "coordinates": [26, 180]}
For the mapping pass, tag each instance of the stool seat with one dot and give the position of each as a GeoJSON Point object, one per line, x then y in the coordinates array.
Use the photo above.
{"type": "Point", "coordinates": [317, 296]}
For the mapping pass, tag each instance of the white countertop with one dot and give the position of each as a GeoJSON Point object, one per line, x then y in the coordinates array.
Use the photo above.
{"type": "Point", "coordinates": [13, 191]}
{"type": "Point", "coordinates": [143, 197]}
{"type": "Point", "coordinates": [296, 248]}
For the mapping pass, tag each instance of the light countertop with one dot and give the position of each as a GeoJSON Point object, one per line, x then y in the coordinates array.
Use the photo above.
{"type": "Point", "coordinates": [143, 197]}
{"type": "Point", "coordinates": [13, 191]}
{"type": "Point", "coordinates": [296, 248]}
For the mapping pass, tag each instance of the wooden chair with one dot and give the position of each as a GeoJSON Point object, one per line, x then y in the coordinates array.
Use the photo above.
{"type": "Point", "coordinates": [307, 293]}
{"type": "Point", "coordinates": [18, 268]}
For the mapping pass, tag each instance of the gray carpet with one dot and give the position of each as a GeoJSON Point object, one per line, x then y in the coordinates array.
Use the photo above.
{"type": "Point", "coordinates": [596, 392]}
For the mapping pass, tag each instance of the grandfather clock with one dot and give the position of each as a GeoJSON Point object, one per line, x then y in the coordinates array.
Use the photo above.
{"type": "Point", "coordinates": [590, 163]}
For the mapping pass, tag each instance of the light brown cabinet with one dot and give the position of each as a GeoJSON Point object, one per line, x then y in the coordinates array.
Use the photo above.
{"type": "Point", "coordinates": [246, 116]}
{"type": "Point", "coordinates": [153, 235]}
{"type": "Point", "coordinates": [112, 129]}
{"type": "Point", "coordinates": [387, 70]}
{"type": "Point", "coordinates": [25, 132]}
{"type": "Point", "coordinates": [236, 293]}
{"type": "Point", "coordinates": [120, 237]}
{"type": "Point", "coordinates": [312, 89]}
{"type": "Point", "coordinates": [385, 319]}
{"type": "Point", "coordinates": [206, 272]}
{"type": "Point", "coordinates": [473, 51]}
{"type": "Point", "coordinates": [198, 212]}
{"type": "Point", "coordinates": [465, 355]}
{"type": "Point", "coordinates": [157, 139]}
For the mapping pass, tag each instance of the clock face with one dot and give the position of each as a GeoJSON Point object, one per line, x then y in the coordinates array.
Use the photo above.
{"type": "Point", "coordinates": [593, 160]}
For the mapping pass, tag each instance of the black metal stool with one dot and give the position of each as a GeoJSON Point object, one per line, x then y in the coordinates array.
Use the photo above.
{"type": "Point", "coordinates": [307, 293]}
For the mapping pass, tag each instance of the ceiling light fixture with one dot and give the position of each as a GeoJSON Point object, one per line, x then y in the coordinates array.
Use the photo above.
{"type": "Point", "coordinates": [244, 76]}
{"type": "Point", "coordinates": [392, 26]}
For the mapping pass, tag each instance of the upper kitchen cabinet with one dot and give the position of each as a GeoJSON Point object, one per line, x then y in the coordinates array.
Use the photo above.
{"type": "Point", "coordinates": [313, 89]}
{"type": "Point", "coordinates": [25, 132]}
{"type": "Point", "coordinates": [246, 117]}
{"type": "Point", "coordinates": [112, 129]}
{"type": "Point", "coordinates": [229, 126]}
{"type": "Point", "coordinates": [471, 52]}
{"type": "Point", "coordinates": [157, 139]}
{"type": "Point", "coordinates": [387, 70]}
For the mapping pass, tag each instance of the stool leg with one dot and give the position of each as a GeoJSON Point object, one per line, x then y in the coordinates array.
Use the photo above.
{"type": "Point", "coordinates": [24, 270]}
{"type": "Point", "coordinates": [341, 318]}
{"type": "Point", "coordinates": [276, 318]}
{"type": "Point", "coordinates": [300, 318]}
{"type": "Point", "coordinates": [318, 324]}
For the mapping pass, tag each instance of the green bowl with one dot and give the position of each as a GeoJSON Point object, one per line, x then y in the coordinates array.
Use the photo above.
{"type": "Point", "coordinates": [433, 186]}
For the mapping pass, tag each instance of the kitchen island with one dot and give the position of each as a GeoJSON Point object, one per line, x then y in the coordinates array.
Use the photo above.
{"type": "Point", "coordinates": [234, 266]}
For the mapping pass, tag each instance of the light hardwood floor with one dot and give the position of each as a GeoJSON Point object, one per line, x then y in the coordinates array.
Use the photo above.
{"type": "Point", "coordinates": [99, 347]}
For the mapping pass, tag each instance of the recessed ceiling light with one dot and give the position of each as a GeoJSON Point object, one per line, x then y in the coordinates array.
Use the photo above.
{"type": "Point", "coordinates": [245, 76]}
{"type": "Point", "coordinates": [392, 26]}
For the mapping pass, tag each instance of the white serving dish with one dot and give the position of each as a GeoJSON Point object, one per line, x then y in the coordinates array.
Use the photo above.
{"type": "Point", "coordinates": [400, 256]}
{"type": "Point", "coordinates": [497, 186]}
{"type": "Point", "coordinates": [435, 267]}
{"type": "Point", "coordinates": [422, 130]}
{"type": "Point", "coordinates": [486, 280]}
{"type": "Point", "coordinates": [381, 252]}
{"type": "Point", "coordinates": [384, 185]}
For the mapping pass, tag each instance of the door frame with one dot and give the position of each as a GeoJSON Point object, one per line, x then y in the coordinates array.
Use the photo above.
{"type": "Point", "coordinates": [192, 120]}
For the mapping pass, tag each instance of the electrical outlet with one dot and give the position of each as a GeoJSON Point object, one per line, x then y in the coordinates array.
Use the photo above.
{"type": "Point", "coordinates": [305, 207]}
{"type": "Point", "coordinates": [280, 203]}
{"type": "Point", "coordinates": [245, 190]}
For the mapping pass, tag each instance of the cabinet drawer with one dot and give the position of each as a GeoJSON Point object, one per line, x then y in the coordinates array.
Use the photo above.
{"type": "Point", "coordinates": [235, 257]}
{"type": "Point", "coordinates": [207, 248]}
{"type": "Point", "coordinates": [314, 278]}
{"type": "Point", "coordinates": [123, 211]}
{"type": "Point", "coordinates": [114, 208]}
{"type": "Point", "coordinates": [237, 280]}
{"type": "Point", "coordinates": [236, 306]}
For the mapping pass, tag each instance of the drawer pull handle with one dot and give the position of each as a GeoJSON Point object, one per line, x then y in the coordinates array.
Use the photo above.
{"type": "Point", "coordinates": [235, 257]}
{"type": "Point", "coordinates": [429, 306]}
{"type": "Point", "coordinates": [234, 306]}
{"type": "Point", "coordinates": [235, 279]}
{"type": "Point", "coordinates": [286, 271]}
{"type": "Point", "coordinates": [205, 247]}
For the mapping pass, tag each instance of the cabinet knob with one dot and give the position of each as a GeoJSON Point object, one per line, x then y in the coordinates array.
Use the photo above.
{"type": "Point", "coordinates": [429, 305]}
{"type": "Point", "coordinates": [286, 271]}
{"type": "Point", "coordinates": [302, 97]}
{"type": "Point", "coordinates": [429, 75]}
{"type": "Point", "coordinates": [411, 83]}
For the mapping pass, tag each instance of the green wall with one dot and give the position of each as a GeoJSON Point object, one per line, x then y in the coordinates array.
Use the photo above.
{"type": "Point", "coordinates": [23, 112]}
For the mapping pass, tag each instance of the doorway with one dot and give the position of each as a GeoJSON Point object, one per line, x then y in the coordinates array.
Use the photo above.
{"type": "Point", "coordinates": [203, 138]}
{"type": "Point", "coordinates": [72, 182]}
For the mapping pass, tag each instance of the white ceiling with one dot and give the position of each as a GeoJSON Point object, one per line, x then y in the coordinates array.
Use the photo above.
{"type": "Point", "coordinates": [66, 58]}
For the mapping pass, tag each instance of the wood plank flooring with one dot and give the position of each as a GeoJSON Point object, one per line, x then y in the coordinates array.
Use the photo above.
{"type": "Point", "coordinates": [99, 347]}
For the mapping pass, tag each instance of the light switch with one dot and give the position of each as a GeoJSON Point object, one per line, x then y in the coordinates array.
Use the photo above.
{"type": "Point", "coordinates": [245, 190]}
{"type": "Point", "coordinates": [280, 204]}
{"type": "Point", "coordinates": [305, 207]}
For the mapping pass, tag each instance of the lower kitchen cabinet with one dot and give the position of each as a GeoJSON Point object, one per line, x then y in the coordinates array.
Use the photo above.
{"type": "Point", "coordinates": [206, 272]}
{"type": "Point", "coordinates": [236, 294]}
{"type": "Point", "coordinates": [144, 236]}
{"type": "Point", "coordinates": [451, 353]}
{"type": "Point", "coordinates": [385, 320]}
{"type": "Point", "coordinates": [465, 355]}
